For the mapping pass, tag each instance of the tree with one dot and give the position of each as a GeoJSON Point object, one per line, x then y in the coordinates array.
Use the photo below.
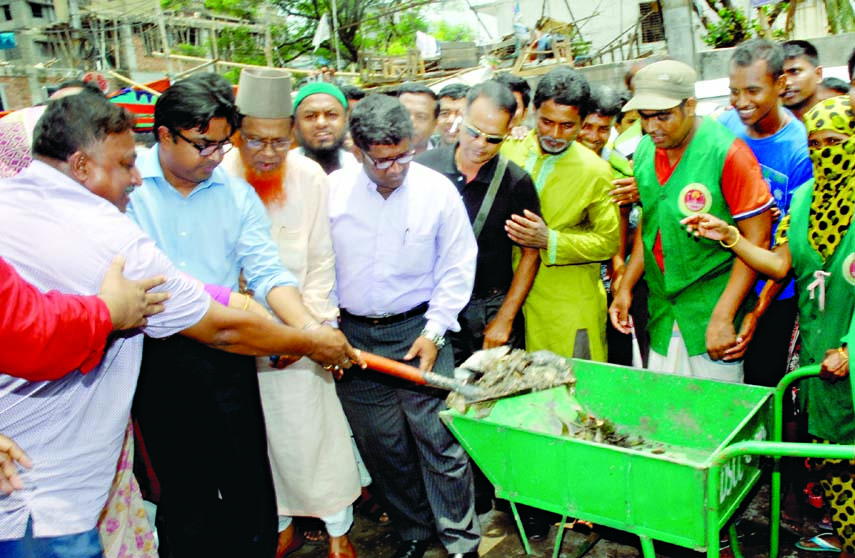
{"type": "Point", "coordinates": [733, 27]}
{"type": "Point", "coordinates": [841, 18]}
{"type": "Point", "coordinates": [381, 26]}
{"type": "Point", "coordinates": [839, 13]}
{"type": "Point", "coordinates": [361, 24]}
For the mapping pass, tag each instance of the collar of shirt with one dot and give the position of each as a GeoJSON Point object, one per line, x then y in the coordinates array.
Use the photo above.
{"type": "Point", "coordinates": [448, 166]}
{"type": "Point", "coordinates": [371, 186]}
{"type": "Point", "coordinates": [393, 254]}
{"type": "Point", "coordinates": [149, 166]}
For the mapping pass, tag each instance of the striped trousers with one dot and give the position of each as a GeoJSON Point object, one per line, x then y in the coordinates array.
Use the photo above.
{"type": "Point", "coordinates": [417, 465]}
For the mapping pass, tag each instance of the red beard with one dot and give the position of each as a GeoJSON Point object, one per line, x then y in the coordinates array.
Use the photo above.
{"type": "Point", "coordinates": [268, 185]}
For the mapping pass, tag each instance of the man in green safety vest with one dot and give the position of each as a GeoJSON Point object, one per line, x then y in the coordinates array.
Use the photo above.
{"type": "Point", "coordinates": [686, 165]}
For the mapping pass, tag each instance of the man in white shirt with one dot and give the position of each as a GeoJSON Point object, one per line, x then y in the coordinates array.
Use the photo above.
{"type": "Point", "coordinates": [60, 226]}
{"type": "Point", "coordinates": [405, 266]}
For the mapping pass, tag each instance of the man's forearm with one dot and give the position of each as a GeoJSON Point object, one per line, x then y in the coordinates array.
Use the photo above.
{"type": "Point", "coordinates": [769, 293]}
{"type": "Point", "coordinates": [249, 334]}
{"type": "Point", "coordinates": [742, 279]}
{"type": "Point", "coordinates": [287, 304]}
{"type": "Point", "coordinates": [635, 267]}
{"type": "Point", "coordinates": [623, 228]}
{"type": "Point", "coordinates": [520, 284]}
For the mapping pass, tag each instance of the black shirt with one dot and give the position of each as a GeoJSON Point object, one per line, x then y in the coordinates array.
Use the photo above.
{"type": "Point", "coordinates": [494, 271]}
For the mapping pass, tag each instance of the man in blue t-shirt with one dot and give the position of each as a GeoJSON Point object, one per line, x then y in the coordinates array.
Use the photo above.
{"type": "Point", "coordinates": [779, 141]}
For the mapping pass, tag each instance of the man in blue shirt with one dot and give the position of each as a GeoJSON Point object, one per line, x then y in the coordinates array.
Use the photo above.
{"type": "Point", "coordinates": [198, 408]}
{"type": "Point", "coordinates": [779, 141]}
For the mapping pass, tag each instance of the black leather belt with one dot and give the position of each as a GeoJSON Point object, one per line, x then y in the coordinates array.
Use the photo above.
{"type": "Point", "coordinates": [387, 320]}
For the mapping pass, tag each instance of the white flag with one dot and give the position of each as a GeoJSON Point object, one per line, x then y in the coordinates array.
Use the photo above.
{"type": "Point", "coordinates": [322, 33]}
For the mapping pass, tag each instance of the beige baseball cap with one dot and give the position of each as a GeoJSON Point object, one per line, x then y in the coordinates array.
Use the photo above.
{"type": "Point", "coordinates": [662, 86]}
{"type": "Point", "coordinates": [264, 93]}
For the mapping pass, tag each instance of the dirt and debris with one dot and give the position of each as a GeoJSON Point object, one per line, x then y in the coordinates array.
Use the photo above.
{"type": "Point", "coordinates": [501, 372]}
{"type": "Point", "coordinates": [602, 431]}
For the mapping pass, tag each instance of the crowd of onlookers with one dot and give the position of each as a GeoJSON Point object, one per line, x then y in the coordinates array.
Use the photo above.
{"type": "Point", "coordinates": [273, 245]}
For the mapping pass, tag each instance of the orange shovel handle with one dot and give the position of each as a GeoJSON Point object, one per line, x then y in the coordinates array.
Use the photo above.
{"type": "Point", "coordinates": [394, 368]}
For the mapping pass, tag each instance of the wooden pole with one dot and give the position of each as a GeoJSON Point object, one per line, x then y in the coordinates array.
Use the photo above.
{"type": "Point", "coordinates": [335, 36]}
{"type": "Point", "coordinates": [72, 47]}
{"type": "Point", "coordinates": [214, 46]}
{"type": "Point", "coordinates": [268, 38]}
{"type": "Point", "coordinates": [180, 75]}
{"type": "Point", "coordinates": [129, 81]}
{"type": "Point", "coordinates": [268, 46]}
{"type": "Point", "coordinates": [116, 49]}
{"type": "Point", "coordinates": [161, 24]}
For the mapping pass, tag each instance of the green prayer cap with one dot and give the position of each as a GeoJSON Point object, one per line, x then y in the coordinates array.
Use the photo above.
{"type": "Point", "coordinates": [319, 87]}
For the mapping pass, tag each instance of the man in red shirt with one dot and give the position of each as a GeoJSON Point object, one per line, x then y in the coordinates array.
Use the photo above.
{"type": "Point", "coordinates": [47, 335]}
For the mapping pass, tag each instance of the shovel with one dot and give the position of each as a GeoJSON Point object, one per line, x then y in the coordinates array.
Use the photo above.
{"type": "Point", "coordinates": [474, 369]}
{"type": "Point", "coordinates": [412, 374]}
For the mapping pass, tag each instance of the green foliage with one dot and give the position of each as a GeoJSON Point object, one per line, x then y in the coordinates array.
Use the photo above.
{"type": "Point", "coordinates": [452, 32]}
{"type": "Point", "coordinates": [731, 29]}
{"type": "Point", "coordinates": [841, 16]}
{"type": "Point", "coordinates": [191, 50]}
{"type": "Point", "coordinates": [245, 9]}
{"type": "Point", "coordinates": [240, 45]}
{"type": "Point", "coordinates": [392, 36]}
{"type": "Point", "coordinates": [377, 26]}
{"type": "Point", "coordinates": [238, 8]}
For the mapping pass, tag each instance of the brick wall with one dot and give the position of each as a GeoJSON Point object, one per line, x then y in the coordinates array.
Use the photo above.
{"type": "Point", "coordinates": [17, 88]}
{"type": "Point", "coordinates": [17, 92]}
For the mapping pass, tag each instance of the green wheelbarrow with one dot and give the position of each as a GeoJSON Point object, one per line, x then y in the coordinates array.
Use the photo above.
{"type": "Point", "coordinates": [700, 457]}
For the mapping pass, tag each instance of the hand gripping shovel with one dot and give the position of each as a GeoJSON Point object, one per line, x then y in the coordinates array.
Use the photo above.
{"type": "Point", "coordinates": [411, 373]}
{"type": "Point", "coordinates": [500, 373]}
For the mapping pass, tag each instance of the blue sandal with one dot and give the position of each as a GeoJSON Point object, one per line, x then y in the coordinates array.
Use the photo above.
{"type": "Point", "coordinates": [819, 544]}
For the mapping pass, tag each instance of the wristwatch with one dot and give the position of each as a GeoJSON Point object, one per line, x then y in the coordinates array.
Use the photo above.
{"type": "Point", "coordinates": [438, 340]}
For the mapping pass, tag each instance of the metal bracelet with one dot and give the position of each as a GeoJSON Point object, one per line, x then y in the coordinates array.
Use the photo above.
{"type": "Point", "coordinates": [438, 340]}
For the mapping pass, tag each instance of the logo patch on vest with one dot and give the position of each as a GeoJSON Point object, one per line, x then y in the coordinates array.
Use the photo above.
{"type": "Point", "coordinates": [695, 198]}
{"type": "Point", "coordinates": [849, 269]}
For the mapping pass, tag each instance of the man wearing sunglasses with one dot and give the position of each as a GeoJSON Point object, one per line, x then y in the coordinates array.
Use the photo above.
{"type": "Point", "coordinates": [565, 311]}
{"type": "Point", "coordinates": [212, 226]}
{"type": "Point", "coordinates": [405, 264]}
{"type": "Point", "coordinates": [472, 164]}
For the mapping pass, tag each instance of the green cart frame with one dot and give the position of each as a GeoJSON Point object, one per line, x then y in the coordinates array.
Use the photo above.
{"type": "Point", "coordinates": [701, 458]}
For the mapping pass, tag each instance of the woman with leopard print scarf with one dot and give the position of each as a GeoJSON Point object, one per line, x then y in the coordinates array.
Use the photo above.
{"type": "Point", "coordinates": [813, 242]}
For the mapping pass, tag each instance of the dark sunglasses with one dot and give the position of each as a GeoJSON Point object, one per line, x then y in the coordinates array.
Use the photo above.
{"type": "Point", "coordinates": [476, 133]}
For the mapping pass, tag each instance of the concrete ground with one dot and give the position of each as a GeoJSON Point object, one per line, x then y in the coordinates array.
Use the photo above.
{"type": "Point", "coordinates": [375, 541]}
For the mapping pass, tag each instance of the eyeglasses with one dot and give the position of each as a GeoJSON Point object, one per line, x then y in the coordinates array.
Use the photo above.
{"type": "Point", "coordinates": [387, 163]}
{"type": "Point", "coordinates": [209, 148]}
{"type": "Point", "coordinates": [278, 144]}
{"type": "Point", "coordinates": [476, 133]}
